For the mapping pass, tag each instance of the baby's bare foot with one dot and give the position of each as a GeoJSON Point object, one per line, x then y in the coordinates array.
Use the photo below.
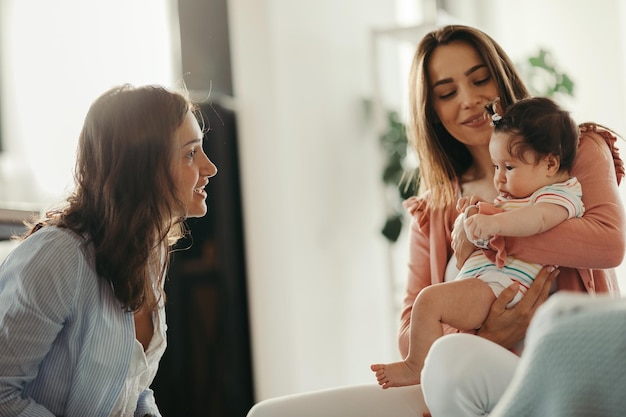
{"type": "Point", "coordinates": [397, 374]}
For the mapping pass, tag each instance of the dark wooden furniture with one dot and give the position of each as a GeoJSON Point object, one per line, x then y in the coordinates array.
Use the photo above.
{"type": "Point", "coordinates": [206, 370]}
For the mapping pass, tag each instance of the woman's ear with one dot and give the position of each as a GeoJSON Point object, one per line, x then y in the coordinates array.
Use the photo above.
{"type": "Point", "coordinates": [553, 164]}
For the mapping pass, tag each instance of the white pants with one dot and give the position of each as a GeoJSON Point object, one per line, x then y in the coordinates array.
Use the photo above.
{"type": "Point", "coordinates": [449, 368]}
{"type": "Point", "coordinates": [452, 366]}
{"type": "Point", "coordinates": [474, 368]}
{"type": "Point", "coordinates": [353, 401]}
{"type": "Point", "coordinates": [465, 375]}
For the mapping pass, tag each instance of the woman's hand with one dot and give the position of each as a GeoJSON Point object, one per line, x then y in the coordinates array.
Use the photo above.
{"type": "Point", "coordinates": [465, 202]}
{"type": "Point", "coordinates": [507, 326]}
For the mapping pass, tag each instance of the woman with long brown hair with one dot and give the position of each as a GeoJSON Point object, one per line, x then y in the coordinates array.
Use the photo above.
{"type": "Point", "coordinates": [82, 322]}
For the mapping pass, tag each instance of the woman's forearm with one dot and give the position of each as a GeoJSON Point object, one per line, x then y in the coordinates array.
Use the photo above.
{"type": "Point", "coordinates": [585, 243]}
{"type": "Point", "coordinates": [594, 241]}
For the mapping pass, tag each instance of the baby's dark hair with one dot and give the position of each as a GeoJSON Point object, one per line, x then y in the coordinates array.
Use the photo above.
{"type": "Point", "coordinates": [543, 127]}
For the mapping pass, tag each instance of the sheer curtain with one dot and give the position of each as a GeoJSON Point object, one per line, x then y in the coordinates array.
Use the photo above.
{"type": "Point", "coordinates": [57, 57]}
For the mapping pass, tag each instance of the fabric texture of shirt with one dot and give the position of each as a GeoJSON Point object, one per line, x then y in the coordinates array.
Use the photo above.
{"type": "Point", "coordinates": [143, 368]}
{"type": "Point", "coordinates": [65, 340]}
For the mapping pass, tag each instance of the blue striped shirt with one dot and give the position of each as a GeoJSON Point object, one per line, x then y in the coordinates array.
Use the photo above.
{"type": "Point", "coordinates": [65, 341]}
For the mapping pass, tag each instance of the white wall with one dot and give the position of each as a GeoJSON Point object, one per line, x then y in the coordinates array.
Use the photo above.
{"type": "Point", "coordinates": [310, 170]}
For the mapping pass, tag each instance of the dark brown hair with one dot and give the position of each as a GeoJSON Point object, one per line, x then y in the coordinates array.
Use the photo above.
{"type": "Point", "coordinates": [543, 128]}
{"type": "Point", "coordinates": [125, 199]}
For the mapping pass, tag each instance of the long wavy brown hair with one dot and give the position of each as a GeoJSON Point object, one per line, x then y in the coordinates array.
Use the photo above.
{"type": "Point", "coordinates": [125, 200]}
{"type": "Point", "coordinates": [443, 159]}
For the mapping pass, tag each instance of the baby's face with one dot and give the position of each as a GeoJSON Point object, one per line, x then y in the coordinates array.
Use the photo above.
{"type": "Point", "coordinates": [516, 177]}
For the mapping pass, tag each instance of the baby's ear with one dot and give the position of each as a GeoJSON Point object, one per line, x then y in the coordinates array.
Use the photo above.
{"type": "Point", "coordinates": [553, 164]}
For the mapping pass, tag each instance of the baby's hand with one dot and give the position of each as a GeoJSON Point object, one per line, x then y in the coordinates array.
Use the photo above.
{"type": "Point", "coordinates": [481, 227]}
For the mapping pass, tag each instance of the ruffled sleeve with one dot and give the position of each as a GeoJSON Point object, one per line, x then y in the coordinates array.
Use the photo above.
{"type": "Point", "coordinates": [610, 140]}
{"type": "Point", "coordinates": [417, 209]}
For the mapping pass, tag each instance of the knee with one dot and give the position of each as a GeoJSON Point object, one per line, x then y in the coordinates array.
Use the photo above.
{"type": "Point", "coordinates": [449, 358]}
{"type": "Point", "coordinates": [255, 411]}
{"type": "Point", "coordinates": [448, 374]}
{"type": "Point", "coordinates": [426, 301]}
{"type": "Point", "coordinates": [262, 409]}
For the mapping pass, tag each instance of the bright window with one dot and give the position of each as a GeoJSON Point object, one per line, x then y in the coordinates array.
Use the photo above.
{"type": "Point", "coordinates": [57, 58]}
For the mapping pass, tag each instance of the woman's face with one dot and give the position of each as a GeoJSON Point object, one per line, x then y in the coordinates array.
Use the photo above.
{"type": "Point", "coordinates": [461, 85]}
{"type": "Point", "coordinates": [191, 168]}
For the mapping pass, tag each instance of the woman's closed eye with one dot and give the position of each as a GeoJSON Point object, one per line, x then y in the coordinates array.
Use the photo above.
{"type": "Point", "coordinates": [444, 95]}
{"type": "Point", "coordinates": [447, 95]}
{"type": "Point", "coordinates": [482, 81]}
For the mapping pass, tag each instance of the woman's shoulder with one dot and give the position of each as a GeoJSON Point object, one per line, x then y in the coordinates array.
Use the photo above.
{"type": "Point", "coordinates": [52, 250]}
{"type": "Point", "coordinates": [417, 204]}
{"type": "Point", "coordinates": [598, 133]}
{"type": "Point", "coordinates": [55, 239]}
{"type": "Point", "coordinates": [595, 139]}
{"type": "Point", "coordinates": [53, 266]}
{"type": "Point", "coordinates": [421, 209]}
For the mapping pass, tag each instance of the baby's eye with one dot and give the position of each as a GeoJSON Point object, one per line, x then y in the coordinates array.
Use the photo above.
{"type": "Point", "coordinates": [509, 168]}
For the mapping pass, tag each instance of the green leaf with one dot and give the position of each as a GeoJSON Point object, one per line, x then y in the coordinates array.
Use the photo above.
{"type": "Point", "coordinates": [393, 226]}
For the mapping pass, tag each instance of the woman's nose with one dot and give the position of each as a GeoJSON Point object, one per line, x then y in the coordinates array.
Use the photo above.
{"type": "Point", "coordinates": [470, 98]}
{"type": "Point", "coordinates": [211, 169]}
{"type": "Point", "coordinates": [208, 167]}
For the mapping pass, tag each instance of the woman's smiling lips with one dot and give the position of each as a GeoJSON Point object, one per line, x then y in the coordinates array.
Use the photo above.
{"type": "Point", "coordinates": [476, 120]}
{"type": "Point", "coordinates": [200, 190]}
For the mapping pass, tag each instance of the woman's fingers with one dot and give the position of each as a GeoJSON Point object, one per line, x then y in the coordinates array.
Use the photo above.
{"type": "Point", "coordinates": [507, 326]}
{"type": "Point", "coordinates": [505, 297]}
{"type": "Point", "coordinates": [539, 291]}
